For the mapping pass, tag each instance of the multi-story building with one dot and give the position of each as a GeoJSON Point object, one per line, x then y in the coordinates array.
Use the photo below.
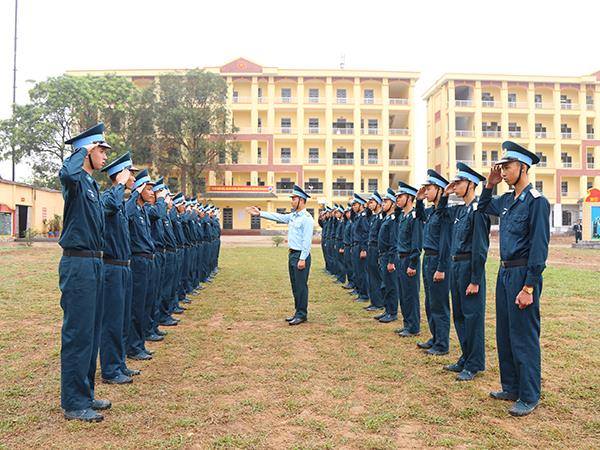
{"type": "Point", "coordinates": [334, 132]}
{"type": "Point", "coordinates": [470, 115]}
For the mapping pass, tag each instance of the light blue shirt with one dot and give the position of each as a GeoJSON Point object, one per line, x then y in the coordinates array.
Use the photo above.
{"type": "Point", "coordinates": [300, 229]}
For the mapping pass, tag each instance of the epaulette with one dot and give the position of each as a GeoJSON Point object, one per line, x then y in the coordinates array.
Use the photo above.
{"type": "Point", "coordinates": [535, 193]}
{"type": "Point", "coordinates": [474, 204]}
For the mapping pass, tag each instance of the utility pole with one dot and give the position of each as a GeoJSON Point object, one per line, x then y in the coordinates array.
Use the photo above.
{"type": "Point", "coordinates": [14, 98]}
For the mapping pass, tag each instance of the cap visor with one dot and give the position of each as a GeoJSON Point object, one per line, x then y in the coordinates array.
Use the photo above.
{"type": "Point", "coordinates": [103, 144]}
{"type": "Point", "coordinates": [133, 169]}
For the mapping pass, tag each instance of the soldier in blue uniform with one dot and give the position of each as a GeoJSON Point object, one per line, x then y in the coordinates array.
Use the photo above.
{"type": "Point", "coordinates": [410, 242]}
{"type": "Point", "coordinates": [524, 236]}
{"type": "Point", "coordinates": [387, 246]}
{"type": "Point", "coordinates": [117, 274]}
{"type": "Point", "coordinates": [360, 238]}
{"type": "Point", "coordinates": [300, 231]}
{"type": "Point", "coordinates": [347, 248]}
{"type": "Point", "coordinates": [81, 275]}
{"type": "Point", "coordinates": [469, 248]}
{"type": "Point", "coordinates": [436, 246]}
{"type": "Point", "coordinates": [142, 263]}
{"type": "Point", "coordinates": [339, 239]}
{"type": "Point", "coordinates": [373, 268]}
{"type": "Point", "coordinates": [176, 217]}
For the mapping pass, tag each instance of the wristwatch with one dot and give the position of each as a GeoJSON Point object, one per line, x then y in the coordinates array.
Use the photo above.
{"type": "Point", "coordinates": [528, 290]}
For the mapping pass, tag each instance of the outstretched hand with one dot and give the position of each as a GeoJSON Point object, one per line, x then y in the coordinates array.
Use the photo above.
{"type": "Point", "coordinates": [253, 210]}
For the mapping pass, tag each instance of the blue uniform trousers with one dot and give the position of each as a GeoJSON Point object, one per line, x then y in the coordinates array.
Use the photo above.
{"type": "Point", "coordinates": [518, 336]}
{"type": "Point", "coordinates": [374, 274]}
{"type": "Point", "coordinates": [153, 299]}
{"type": "Point", "coordinates": [408, 288]}
{"type": "Point", "coordinates": [437, 304]}
{"type": "Point", "coordinates": [469, 316]}
{"type": "Point", "coordinates": [141, 271]}
{"type": "Point", "coordinates": [389, 285]}
{"type": "Point", "coordinates": [299, 281]}
{"type": "Point", "coordinates": [166, 298]}
{"type": "Point", "coordinates": [80, 282]}
{"type": "Point", "coordinates": [360, 273]}
{"type": "Point", "coordinates": [112, 346]}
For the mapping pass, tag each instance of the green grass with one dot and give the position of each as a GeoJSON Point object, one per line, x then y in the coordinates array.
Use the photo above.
{"type": "Point", "coordinates": [235, 375]}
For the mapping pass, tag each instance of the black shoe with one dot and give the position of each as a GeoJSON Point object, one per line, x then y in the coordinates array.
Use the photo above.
{"type": "Point", "coordinates": [178, 311]}
{"type": "Point", "coordinates": [454, 368]}
{"type": "Point", "coordinates": [373, 308]}
{"type": "Point", "coordinates": [85, 415]}
{"type": "Point", "coordinates": [503, 395]}
{"type": "Point", "coordinates": [434, 352]}
{"type": "Point", "coordinates": [119, 379]}
{"type": "Point", "coordinates": [161, 332]}
{"type": "Point", "coordinates": [425, 345]}
{"type": "Point", "coordinates": [289, 319]}
{"type": "Point", "coordinates": [140, 357]}
{"type": "Point", "coordinates": [155, 338]}
{"type": "Point", "coordinates": [168, 323]}
{"type": "Point", "coordinates": [379, 316]}
{"type": "Point", "coordinates": [131, 372]}
{"type": "Point", "coordinates": [347, 287]}
{"type": "Point", "coordinates": [399, 330]}
{"type": "Point", "coordinates": [361, 300]}
{"type": "Point", "coordinates": [405, 333]}
{"type": "Point", "coordinates": [186, 300]}
{"type": "Point", "coordinates": [297, 320]}
{"type": "Point", "coordinates": [149, 352]}
{"type": "Point", "coordinates": [100, 405]}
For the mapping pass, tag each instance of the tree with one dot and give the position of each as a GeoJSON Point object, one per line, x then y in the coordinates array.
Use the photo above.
{"type": "Point", "coordinates": [58, 107]}
{"type": "Point", "coordinates": [193, 125]}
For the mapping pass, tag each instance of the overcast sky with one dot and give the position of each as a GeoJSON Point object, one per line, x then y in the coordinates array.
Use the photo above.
{"type": "Point", "coordinates": [432, 37]}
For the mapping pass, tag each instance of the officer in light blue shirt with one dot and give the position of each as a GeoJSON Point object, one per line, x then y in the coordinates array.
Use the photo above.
{"type": "Point", "coordinates": [300, 231]}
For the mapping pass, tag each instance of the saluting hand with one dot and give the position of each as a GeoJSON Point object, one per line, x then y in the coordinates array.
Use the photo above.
{"type": "Point", "coordinates": [495, 176]}
{"type": "Point", "coordinates": [450, 188]}
{"type": "Point", "coordinates": [161, 194]}
{"type": "Point", "coordinates": [301, 264]}
{"type": "Point", "coordinates": [123, 176]}
{"type": "Point", "coordinates": [421, 193]}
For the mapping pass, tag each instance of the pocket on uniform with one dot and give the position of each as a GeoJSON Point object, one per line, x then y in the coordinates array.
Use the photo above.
{"type": "Point", "coordinates": [518, 224]}
{"type": "Point", "coordinates": [91, 195]}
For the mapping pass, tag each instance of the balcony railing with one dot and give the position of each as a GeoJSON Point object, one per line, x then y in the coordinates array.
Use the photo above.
{"type": "Point", "coordinates": [343, 101]}
{"type": "Point", "coordinates": [286, 99]}
{"type": "Point", "coordinates": [463, 103]}
{"type": "Point", "coordinates": [517, 134]}
{"type": "Point", "coordinates": [343, 192]}
{"type": "Point", "coordinates": [543, 135]}
{"type": "Point", "coordinates": [398, 162]}
{"type": "Point", "coordinates": [465, 133]}
{"type": "Point", "coordinates": [591, 165]}
{"type": "Point", "coordinates": [589, 106]}
{"type": "Point", "coordinates": [517, 105]}
{"type": "Point", "coordinates": [590, 135]}
{"type": "Point", "coordinates": [373, 131]}
{"type": "Point", "coordinates": [542, 164]}
{"type": "Point", "coordinates": [399, 131]}
{"type": "Point", "coordinates": [491, 133]}
{"type": "Point", "coordinates": [314, 100]}
{"type": "Point", "coordinates": [241, 100]}
{"type": "Point", "coordinates": [342, 130]}
{"type": "Point", "coordinates": [569, 106]}
{"type": "Point", "coordinates": [318, 190]}
{"type": "Point", "coordinates": [569, 135]}
{"type": "Point", "coordinates": [567, 164]}
{"type": "Point", "coordinates": [284, 190]}
{"type": "Point", "coordinates": [286, 130]}
{"type": "Point", "coordinates": [343, 161]}
{"type": "Point", "coordinates": [489, 103]}
{"type": "Point", "coordinates": [283, 160]}
{"type": "Point", "coordinates": [313, 160]}
{"type": "Point", "coordinates": [372, 161]}
{"type": "Point", "coordinates": [543, 105]}
{"type": "Point", "coordinates": [398, 101]}
{"type": "Point", "coordinates": [572, 194]}
{"type": "Point", "coordinates": [371, 101]}
{"type": "Point", "coordinates": [314, 130]}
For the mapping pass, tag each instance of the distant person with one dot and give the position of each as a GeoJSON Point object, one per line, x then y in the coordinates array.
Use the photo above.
{"type": "Point", "coordinates": [578, 229]}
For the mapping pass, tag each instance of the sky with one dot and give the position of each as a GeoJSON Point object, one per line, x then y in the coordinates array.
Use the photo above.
{"type": "Point", "coordinates": [431, 37]}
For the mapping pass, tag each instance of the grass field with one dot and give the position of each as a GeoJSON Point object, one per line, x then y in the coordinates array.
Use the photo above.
{"type": "Point", "coordinates": [235, 375]}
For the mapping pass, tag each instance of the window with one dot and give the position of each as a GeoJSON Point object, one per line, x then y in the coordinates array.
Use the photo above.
{"type": "Point", "coordinates": [538, 100]}
{"type": "Point", "coordinates": [372, 125]}
{"type": "Point", "coordinates": [286, 155]}
{"type": "Point", "coordinates": [259, 155]}
{"type": "Point", "coordinates": [512, 100]}
{"type": "Point", "coordinates": [311, 211]}
{"type": "Point", "coordinates": [259, 124]}
{"type": "Point", "coordinates": [340, 95]}
{"type": "Point", "coordinates": [286, 95]}
{"type": "Point", "coordinates": [280, 210]}
{"type": "Point", "coordinates": [369, 97]}
{"type": "Point", "coordinates": [259, 92]}
{"type": "Point", "coordinates": [590, 184]}
{"type": "Point", "coordinates": [372, 155]}
{"type": "Point", "coordinates": [313, 155]}
{"type": "Point", "coordinates": [313, 186]}
{"type": "Point", "coordinates": [313, 95]}
{"type": "Point", "coordinates": [221, 157]}
{"type": "Point", "coordinates": [564, 188]}
{"type": "Point", "coordinates": [539, 185]}
{"type": "Point", "coordinates": [372, 184]}
{"type": "Point", "coordinates": [286, 125]}
{"type": "Point", "coordinates": [6, 224]}
{"type": "Point", "coordinates": [313, 125]}
{"type": "Point", "coordinates": [566, 159]}
{"type": "Point", "coordinates": [566, 218]}
{"type": "Point", "coordinates": [235, 96]}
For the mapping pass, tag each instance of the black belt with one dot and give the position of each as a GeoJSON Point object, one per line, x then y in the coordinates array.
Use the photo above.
{"type": "Point", "coordinates": [294, 251]}
{"type": "Point", "coordinates": [403, 255]}
{"type": "Point", "coordinates": [171, 249]}
{"type": "Point", "coordinates": [429, 252]}
{"type": "Point", "coordinates": [83, 253]}
{"type": "Point", "coordinates": [514, 263]}
{"type": "Point", "coordinates": [115, 262]}
{"type": "Point", "coordinates": [461, 257]}
{"type": "Point", "coordinates": [143, 255]}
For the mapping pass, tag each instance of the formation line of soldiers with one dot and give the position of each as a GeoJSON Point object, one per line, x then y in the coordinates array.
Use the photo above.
{"type": "Point", "coordinates": [375, 245]}
{"type": "Point", "coordinates": [128, 264]}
